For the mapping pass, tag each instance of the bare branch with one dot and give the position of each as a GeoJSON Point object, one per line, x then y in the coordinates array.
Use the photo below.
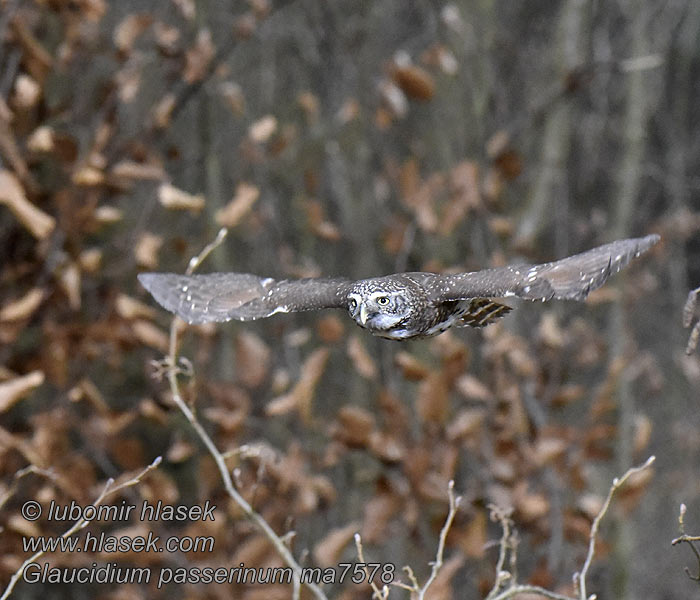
{"type": "Point", "coordinates": [515, 590]}
{"type": "Point", "coordinates": [234, 494]}
{"type": "Point", "coordinates": [377, 594]}
{"type": "Point", "coordinates": [415, 588]}
{"type": "Point", "coordinates": [580, 578]}
{"type": "Point", "coordinates": [109, 489]}
{"type": "Point", "coordinates": [689, 539]}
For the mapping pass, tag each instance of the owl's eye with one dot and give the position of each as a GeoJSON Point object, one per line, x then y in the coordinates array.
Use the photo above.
{"type": "Point", "coordinates": [352, 304]}
{"type": "Point", "coordinates": [383, 300]}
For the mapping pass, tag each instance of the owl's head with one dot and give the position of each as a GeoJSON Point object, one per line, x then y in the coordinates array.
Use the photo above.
{"type": "Point", "coordinates": [378, 309]}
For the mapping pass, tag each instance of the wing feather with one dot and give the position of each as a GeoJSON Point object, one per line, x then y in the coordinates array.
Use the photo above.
{"type": "Point", "coordinates": [240, 296]}
{"type": "Point", "coordinates": [571, 278]}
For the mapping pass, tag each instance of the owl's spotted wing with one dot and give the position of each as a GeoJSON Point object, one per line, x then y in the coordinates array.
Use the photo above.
{"type": "Point", "coordinates": [570, 278]}
{"type": "Point", "coordinates": [240, 296]}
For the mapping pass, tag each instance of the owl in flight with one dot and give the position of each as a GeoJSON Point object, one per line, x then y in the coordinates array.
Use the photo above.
{"type": "Point", "coordinates": [399, 306]}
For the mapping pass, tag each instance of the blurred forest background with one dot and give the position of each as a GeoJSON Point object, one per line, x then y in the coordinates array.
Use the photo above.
{"type": "Point", "coordinates": [356, 139]}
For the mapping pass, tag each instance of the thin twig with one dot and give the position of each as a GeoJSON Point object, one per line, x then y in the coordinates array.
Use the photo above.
{"type": "Point", "coordinates": [580, 578]}
{"type": "Point", "coordinates": [378, 594]}
{"type": "Point", "coordinates": [20, 475]}
{"type": "Point", "coordinates": [195, 261]}
{"type": "Point", "coordinates": [437, 565]}
{"type": "Point", "coordinates": [109, 490]}
{"type": "Point", "coordinates": [231, 490]}
{"type": "Point", "coordinates": [504, 546]}
{"type": "Point", "coordinates": [415, 588]}
{"type": "Point", "coordinates": [689, 539]}
{"type": "Point", "coordinates": [515, 590]}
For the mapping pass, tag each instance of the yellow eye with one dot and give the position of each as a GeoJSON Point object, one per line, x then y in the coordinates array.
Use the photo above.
{"type": "Point", "coordinates": [383, 300]}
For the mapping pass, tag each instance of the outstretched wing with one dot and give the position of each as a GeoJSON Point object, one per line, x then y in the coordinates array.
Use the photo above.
{"type": "Point", "coordinates": [570, 278]}
{"type": "Point", "coordinates": [240, 296]}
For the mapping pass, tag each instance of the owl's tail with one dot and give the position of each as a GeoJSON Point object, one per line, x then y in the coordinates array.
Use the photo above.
{"type": "Point", "coordinates": [482, 312]}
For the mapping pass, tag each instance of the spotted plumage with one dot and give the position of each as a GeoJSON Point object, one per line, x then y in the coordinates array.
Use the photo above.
{"type": "Point", "coordinates": [398, 306]}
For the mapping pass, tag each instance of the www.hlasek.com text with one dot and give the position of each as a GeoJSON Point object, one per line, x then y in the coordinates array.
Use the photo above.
{"type": "Point", "coordinates": [111, 573]}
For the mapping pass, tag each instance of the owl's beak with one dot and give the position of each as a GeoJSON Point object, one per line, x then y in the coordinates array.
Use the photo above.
{"type": "Point", "coordinates": [363, 313]}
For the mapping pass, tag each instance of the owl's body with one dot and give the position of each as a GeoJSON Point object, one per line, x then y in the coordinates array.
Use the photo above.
{"type": "Point", "coordinates": [399, 306]}
{"type": "Point", "coordinates": [417, 315]}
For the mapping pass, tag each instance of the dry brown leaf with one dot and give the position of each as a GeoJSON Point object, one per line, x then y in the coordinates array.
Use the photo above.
{"type": "Point", "coordinates": [167, 37]}
{"type": "Point", "coordinates": [69, 280]}
{"type": "Point", "coordinates": [441, 588]}
{"type": "Point", "coordinates": [590, 505]}
{"type": "Point", "coordinates": [281, 405]}
{"type": "Point", "coordinates": [149, 334]}
{"type": "Point", "coordinates": [262, 129]}
{"type": "Point", "coordinates": [187, 8]}
{"type": "Point", "coordinates": [464, 195]}
{"type": "Point", "coordinates": [163, 110]}
{"type": "Point", "coordinates": [394, 98]}
{"type": "Point", "coordinates": [550, 332]}
{"type": "Point", "coordinates": [472, 538]}
{"type": "Point", "coordinates": [422, 201]}
{"type": "Point", "coordinates": [470, 387]}
{"type": "Point", "coordinates": [198, 57]}
{"type": "Point", "coordinates": [128, 82]}
{"type": "Point", "coordinates": [309, 104]}
{"type": "Point", "coordinates": [412, 368]}
{"type": "Point", "coordinates": [129, 308]}
{"type": "Point", "coordinates": [329, 550]}
{"type": "Point", "coordinates": [548, 449]}
{"type": "Point", "coordinates": [240, 205]}
{"type": "Point", "coordinates": [132, 170]}
{"type": "Point", "coordinates": [38, 59]}
{"type": "Point", "coordinates": [349, 111]}
{"type": "Point", "coordinates": [569, 393]}
{"type": "Point", "coordinates": [530, 505]}
{"type": "Point", "coordinates": [88, 176]}
{"type": "Point", "coordinates": [330, 328]}
{"type": "Point", "coordinates": [87, 390]}
{"type": "Point", "coordinates": [27, 92]}
{"type": "Point", "coordinates": [41, 139]}
{"type": "Point", "coordinates": [467, 422]}
{"type": "Point", "coordinates": [252, 359]}
{"type": "Point", "coordinates": [360, 358]}
{"type": "Point", "coordinates": [34, 219]}
{"type": "Point", "coordinates": [23, 307]}
{"type": "Point", "coordinates": [631, 493]}
{"type": "Point", "coordinates": [130, 28]}
{"type": "Point", "coordinates": [355, 425]}
{"type": "Point", "coordinates": [180, 451]}
{"type": "Point", "coordinates": [505, 159]}
{"type": "Point", "coordinates": [15, 389]}
{"type": "Point", "coordinates": [301, 395]}
{"type": "Point", "coordinates": [22, 526]}
{"type": "Point", "coordinates": [244, 25]}
{"type": "Point", "coordinates": [147, 248]}
{"type": "Point", "coordinates": [176, 199]}
{"type": "Point", "coordinates": [441, 57]}
{"type": "Point", "coordinates": [432, 403]}
{"type": "Point", "coordinates": [108, 215]}
{"type": "Point", "coordinates": [416, 82]}
{"type": "Point", "coordinates": [159, 486]}
{"type": "Point", "coordinates": [642, 432]}
{"type": "Point", "coordinates": [388, 447]}
{"type": "Point", "coordinates": [233, 94]}
{"type": "Point", "coordinates": [377, 512]}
